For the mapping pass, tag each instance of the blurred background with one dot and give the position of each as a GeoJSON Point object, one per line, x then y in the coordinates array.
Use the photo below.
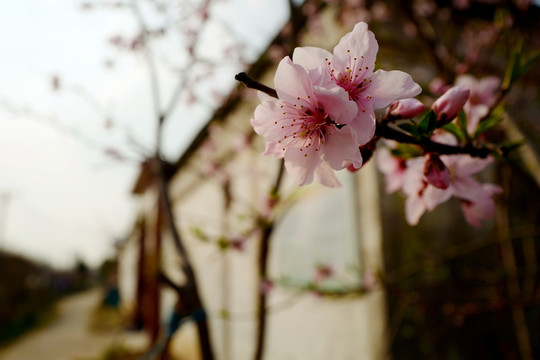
{"type": "Point", "coordinates": [103, 102]}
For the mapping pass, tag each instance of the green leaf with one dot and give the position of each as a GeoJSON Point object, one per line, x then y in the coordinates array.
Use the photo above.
{"type": "Point", "coordinates": [526, 65]}
{"type": "Point", "coordinates": [513, 65]}
{"type": "Point", "coordinates": [199, 234]}
{"type": "Point", "coordinates": [410, 128]}
{"type": "Point", "coordinates": [225, 314]}
{"type": "Point", "coordinates": [406, 151]}
{"type": "Point", "coordinates": [223, 243]}
{"type": "Point", "coordinates": [487, 124]}
{"type": "Point", "coordinates": [453, 129]}
{"type": "Point", "coordinates": [519, 64]}
{"type": "Point", "coordinates": [428, 123]}
{"type": "Point", "coordinates": [462, 125]}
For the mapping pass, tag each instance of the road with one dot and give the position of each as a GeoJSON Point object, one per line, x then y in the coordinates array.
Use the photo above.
{"type": "Point", "coordinates": [66, 337]}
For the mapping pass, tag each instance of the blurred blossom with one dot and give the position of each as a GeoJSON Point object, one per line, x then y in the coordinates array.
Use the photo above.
{"type": "Point", "coordinates": [462, 68]}
{"type": "Point", "coordinates": [476, 198]}
{"type": "Point", "coordinates": [410, 29]}
{"type": "Point", "coordinates": [242, 142]}
{"type": "Point", "coordinates": [315, 25]}
{"type": "Point", "coordinates": [392, 167]}
{"type": "Point", "coordinates": [380, 11]}
{"type": "Point", "coordinates": [482, 97]}
{"type": "Point", "coordinates": [483, 208]}
{"type": "Point", "coordinates": [323, 272]}
{"type": "Point", "coordinates": [424, 8]}
{"type": "Point", "coordinates": [436, 172]}
{"type": "Point", "coordinates": [438, 86]}
{"type": "Point", "coordinates": [286, 31]}
{"type": "Point", "coordinates": [238, 243]}
{"type": "Point", "coordinates": [461, 4]}
{"type": "Point", "coordinates": [266, 286]}
{"type": "Point", "coordinates": [276, 52]}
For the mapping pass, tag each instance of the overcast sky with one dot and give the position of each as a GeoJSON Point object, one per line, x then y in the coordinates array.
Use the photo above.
{"type": "Point", "coordinates": [60, 197]}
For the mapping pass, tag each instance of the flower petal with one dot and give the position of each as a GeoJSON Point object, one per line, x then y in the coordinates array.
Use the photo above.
{"type": "Point", "coordinates": [434, 196]}
{"type": "Point", "coordinates": [313, 60]}
{"type": "Point", "coordinates": [341, 149]}
{"type": "Point", "coordinates": [364, 124]}
{"type": "Point", "coordinates": [483, 207]}
{"type": "Point", "coordinates": [466, 188]}
{"type": "Point", "coordinates": [292, 82]}
{"type": "Point", "coordinates": [310, 57]}
{"type": "Point", "coordinates": [325, 175]}
{"type": "Point", "coordinates": [274, 148]}
{"type": "Point", "coordinates": [264, 120]}
{"type": "Point", "coordinates": [359, 43]}
{"type": "Point", "coordinates": [336, 104]}
{"type": "Point", "coordinates": [388, 86]}
{"type": "Point", "coordinates": [414, 209]}
{"type": "Point", "coordinates": [466, 165]}
{"type": "Point", "coordinates": [301, 168]}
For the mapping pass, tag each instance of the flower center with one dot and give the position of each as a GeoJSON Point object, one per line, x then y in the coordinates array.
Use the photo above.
{"type": "Point", "coordinates": [304, 124]}
{"type": "Point", "coordinates": [353, 78]}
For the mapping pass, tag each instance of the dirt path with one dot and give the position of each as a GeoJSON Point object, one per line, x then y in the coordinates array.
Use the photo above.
{"type": "Point", "coordinates": [66, 337]}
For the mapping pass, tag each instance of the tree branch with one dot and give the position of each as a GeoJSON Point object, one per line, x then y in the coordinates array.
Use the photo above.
{"type": "Point", "coordinates": [254, 84]}
{"type": "Point", "coordinates": [385, 131]}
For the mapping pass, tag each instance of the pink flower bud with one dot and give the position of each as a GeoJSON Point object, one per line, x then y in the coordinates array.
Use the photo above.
{"type": "Point", "coordinates": [448, 106]}
{"type": "Point", "coordinates": [406, 108]}
{"type": "Point", "coordinates": [436, 172]}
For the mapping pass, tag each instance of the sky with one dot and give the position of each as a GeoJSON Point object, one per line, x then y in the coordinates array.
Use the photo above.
{"type": "Point", "coordinates": [61, 197]}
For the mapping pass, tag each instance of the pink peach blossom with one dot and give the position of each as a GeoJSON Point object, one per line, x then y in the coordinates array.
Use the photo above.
{"type": "Point", "coordinates": [476, 198]}
{"type": "Point", "coordinates": [484, 206]}
{"type": "Point", "coordinates": [481, 98]}
{"type": "Point", "coordinates": [351, 67]}
{"type": "Point", "coordinates": [307, 126]}
{"type": "Point", "coordinates": [392, 167]}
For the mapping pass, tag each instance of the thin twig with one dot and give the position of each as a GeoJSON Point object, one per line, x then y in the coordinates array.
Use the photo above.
{"type": "Point", "coordinates": [254, 84]}
{"type": "Point", "coordinates": [264, 252]}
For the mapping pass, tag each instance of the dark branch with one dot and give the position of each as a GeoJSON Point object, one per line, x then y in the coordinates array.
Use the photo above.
{"type": "Point", "coordinates": [254, 84]}
{"type": "Point", "coordinates": [385, 131]}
